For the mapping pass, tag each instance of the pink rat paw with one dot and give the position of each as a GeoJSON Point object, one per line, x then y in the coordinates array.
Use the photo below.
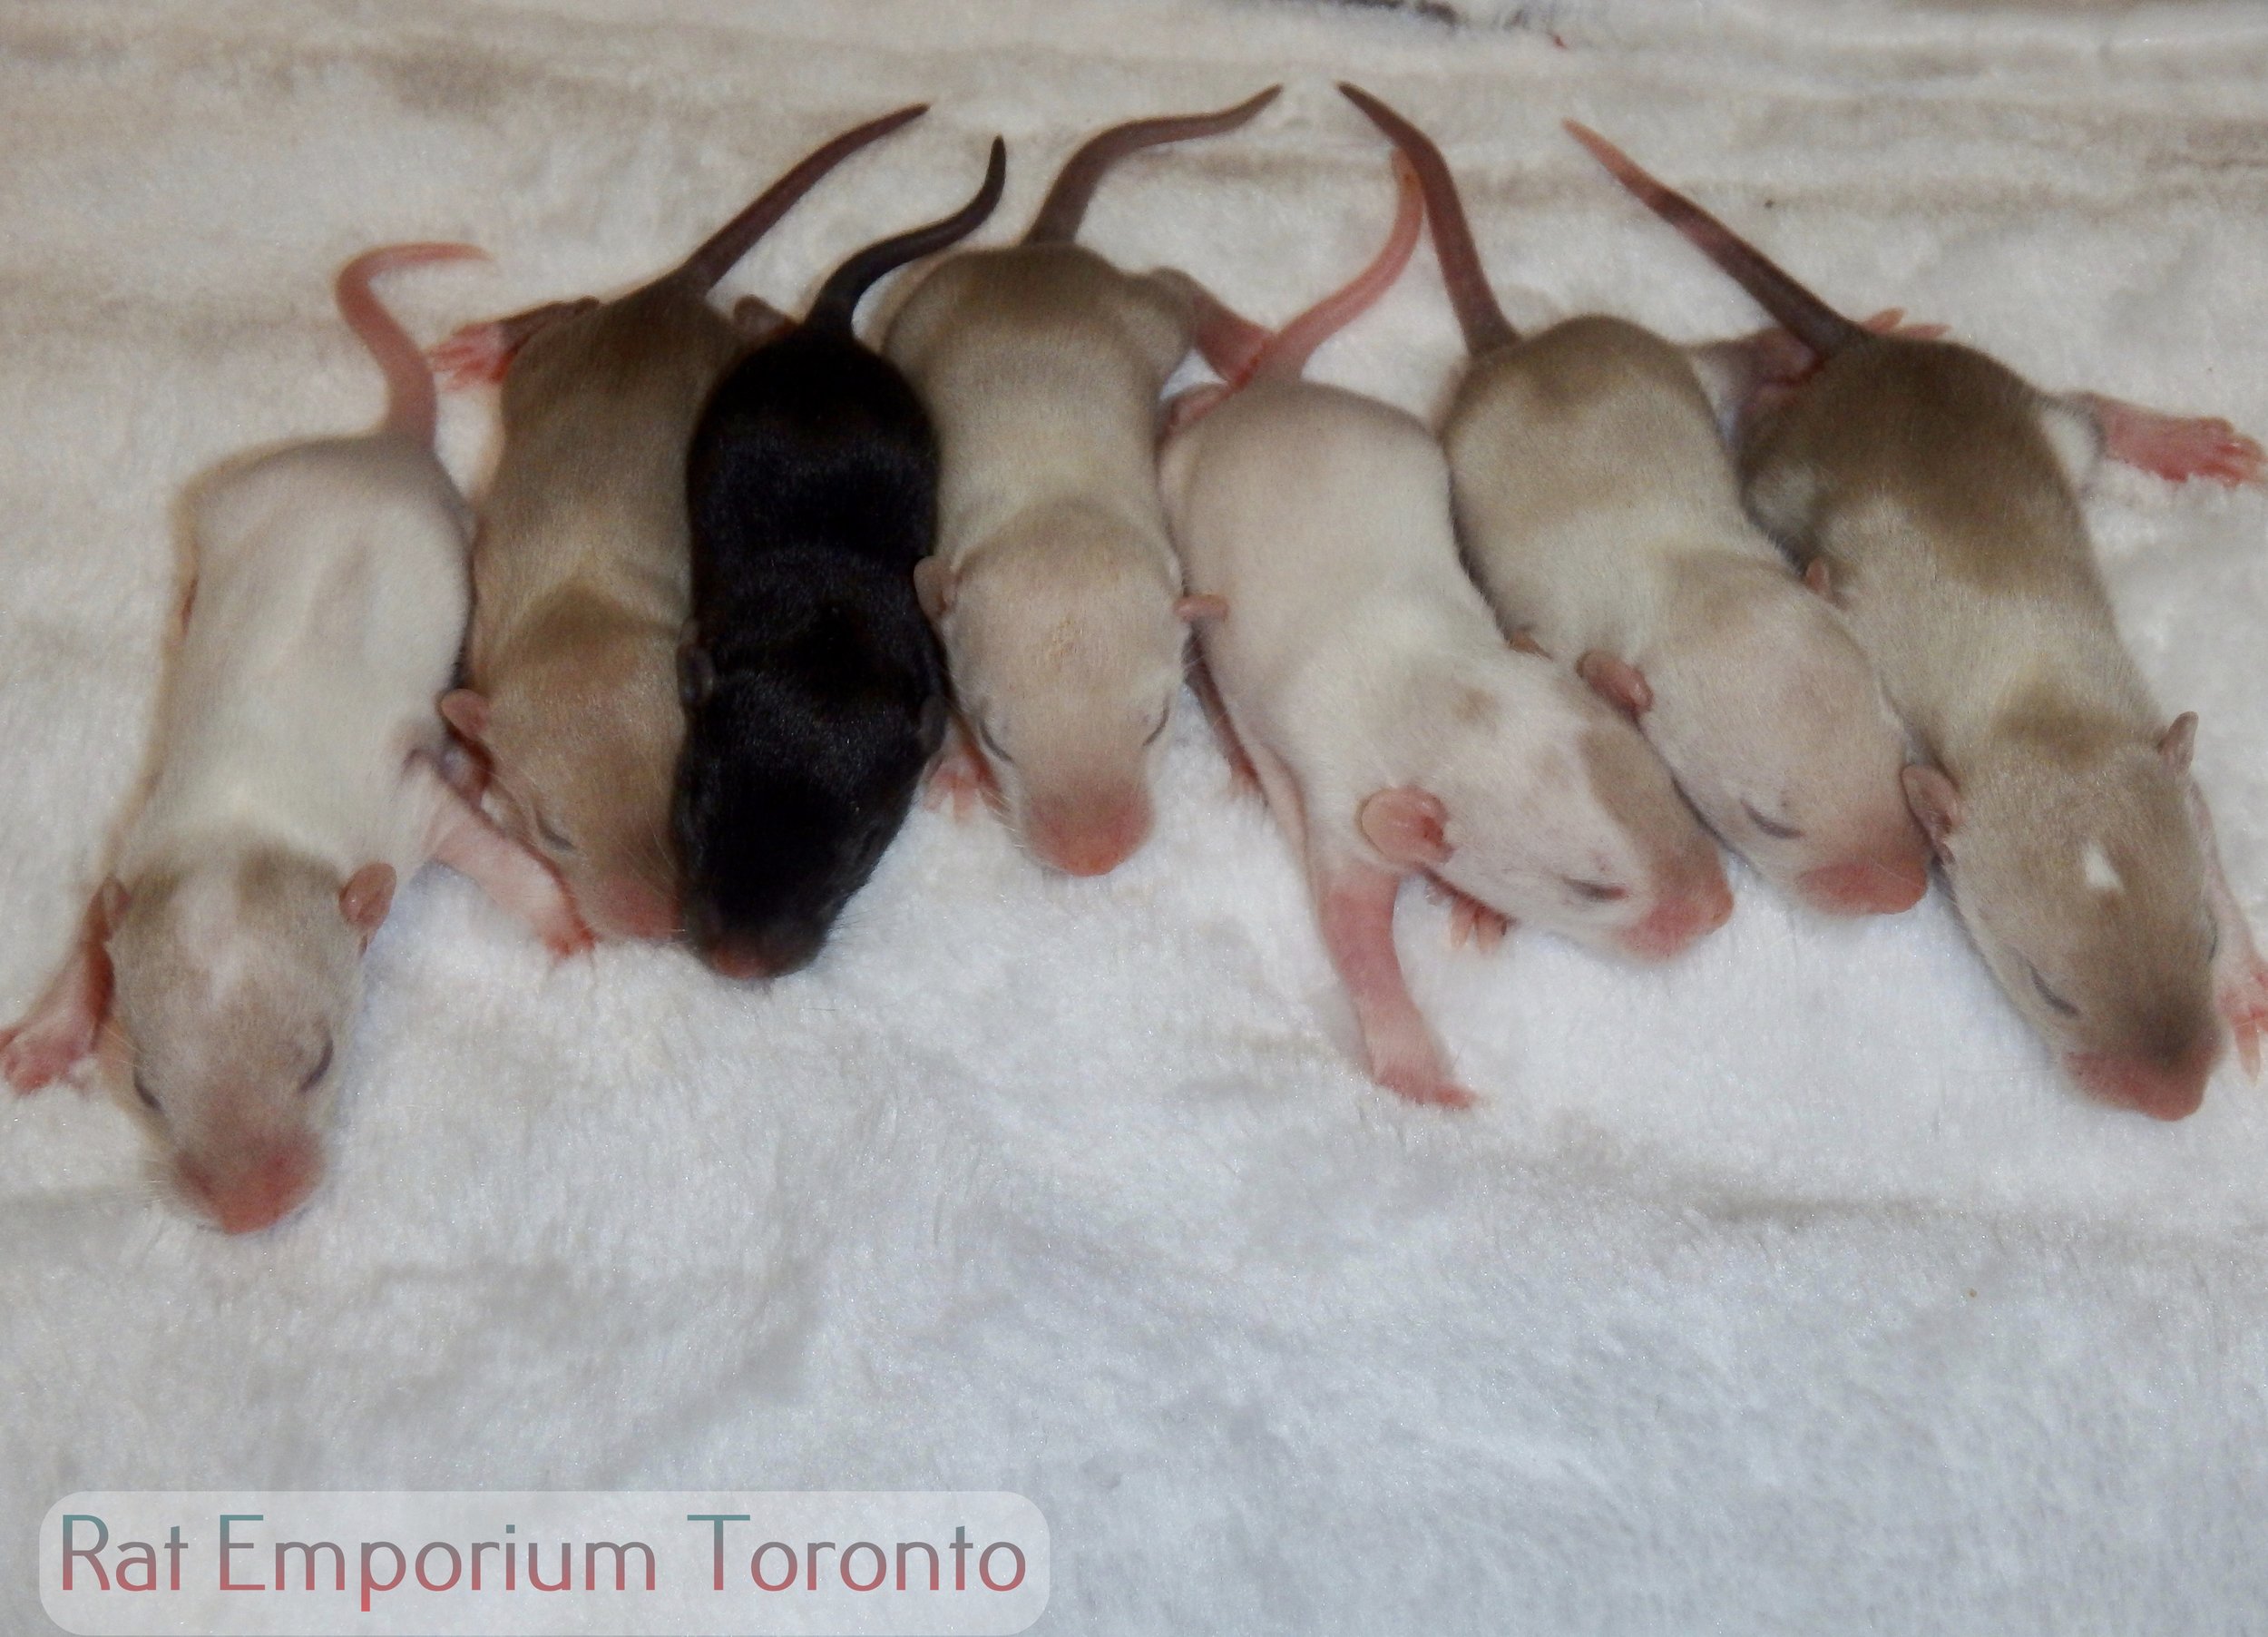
{"type": "Point", "coordinates": [478, 355]}
{"type": "Point", "coordinates": [1469, 920]}
{"type": "Point", "coordinates": [2241, 995]}
{"type": "Point", "coordinates": [1184, 409]}
{"type": "Point", "coordinates": [2176, 447]}
{"type": "Point", "coordinates": [565, 933]}
{"type": "Point", "coordinates": [34, 1058]}
{"type": "Point", "coordinates": [1891, 322]}
{"type": "Point", "coordinates": [1424, 1084]}
{"type": "Point", "coordinates": [960, 778]}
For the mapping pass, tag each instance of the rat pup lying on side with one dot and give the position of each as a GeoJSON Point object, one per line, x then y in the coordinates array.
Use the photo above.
{"type": "Point", "coordinates": [1053, 586]}
{"type": "Point", "coordinates": [295, 781]}
{"type": "Point", "coordinates": [1392, 729]}
{"type": "Point", "coordinates": [814, 691]}
{"type": "Point", "coordinates": [580, 569]}
{"type": "Point", "coordinates": [1935, 492]}
{"type": "Point", "coordinates": [1599, 511]}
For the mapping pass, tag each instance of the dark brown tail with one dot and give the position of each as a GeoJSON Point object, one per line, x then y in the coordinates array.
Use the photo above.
{"type": "Point", "coordinates": [1065, 206]}
{"type": "Point", "coordinates": [1811, 320]}
{"type": "Point", "coordinates": [839, 297]}
{"type": "Point", "coordinates": [409, 391]}
{"type": "Point", "coordinates": [733, 241]}
{"type": "Point", "coordinates": [1483, 319]}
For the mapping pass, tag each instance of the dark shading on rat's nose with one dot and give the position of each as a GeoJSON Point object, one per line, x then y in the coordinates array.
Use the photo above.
{"type": "Point", "coordinates": [749, 956]}
{"type": "Point", "coordinates": [2170, 1086]}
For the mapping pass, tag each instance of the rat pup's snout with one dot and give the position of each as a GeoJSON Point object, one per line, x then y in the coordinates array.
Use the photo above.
{"type": "Point", "coordinates": [1090, 836]}
{"type": "Point", "coordinates": [252, 1187]}
{"type": "Point", "coordinates": [1685, 914]}
{"type": "Point", "coordinates": [1869, 886]}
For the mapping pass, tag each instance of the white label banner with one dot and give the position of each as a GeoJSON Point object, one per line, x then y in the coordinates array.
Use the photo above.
{"type": "Point", "coordinates": [543, 1564]}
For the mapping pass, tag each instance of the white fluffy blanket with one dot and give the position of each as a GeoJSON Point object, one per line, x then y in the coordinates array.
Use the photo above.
{"type": "Point", "coordinates": [1784, 1290]}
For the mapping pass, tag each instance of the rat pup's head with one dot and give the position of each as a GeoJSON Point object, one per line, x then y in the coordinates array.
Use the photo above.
{"type": "Point", "coordinates": [580, 727]}
{"type": "Point", "coordinates": [2075, 863]}
{"type": "Point", "coordinates": [1767, 711]}
{"type": "Point", "coordinates": [236, 984]}
{"type": "Point", "coordinates": [802, 756]}
{"type": "Point", "coordinates": [1066, 644]}
{"type": "Point", "coordinates": [1549, 809]}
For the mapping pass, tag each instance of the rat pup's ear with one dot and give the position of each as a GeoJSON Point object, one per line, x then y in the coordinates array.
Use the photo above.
{"type": "Point", "coordinates": [932, 584]}
{"type": "Point", "coordinates": [2179, 742]}
{"type": "Point", "coordinates": [1191, 609]}
{"type": "Point", "coordinates": [366, 897]}
{"type": "Point", "coordinates": [1407, 826]}
{"type": "Point", "coordinates": [1820, 578]}
{"type": "Point", "coordinates": [467, 713]}
{"type": "Point", "coordinates": [1935, 801]}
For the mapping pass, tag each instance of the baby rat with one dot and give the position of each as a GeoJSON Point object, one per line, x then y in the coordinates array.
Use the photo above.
{"type": "Point", "coordinates": [1392, 729]}
{"type": "Point", "coordinates": [295, 781]}
{"type": "Point", "coordinates": [814, 691]}
{"type": "Point", "coordinates": [580, 569]}
{"type": "Point", "coordinates": [1053, 587]}
{"type": "Point", "coordinates": [1935, 492]}
{"type": "Point", "coordinates": [1600, 513]}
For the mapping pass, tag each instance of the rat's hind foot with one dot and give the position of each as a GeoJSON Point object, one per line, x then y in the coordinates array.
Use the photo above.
{"type": "Point", "coordinates": [479, 355]}
{"type": "Point", "coordinates": [1184, 409]}
{"type": "Point", "coordinates": [1891, 322]}
{"type": "Point", "coordinates": [2173, 446]}
{"type": "Point", "coordinates": [1424, 1083]}
{"type": "Point", "coordinates": [1355, 903]}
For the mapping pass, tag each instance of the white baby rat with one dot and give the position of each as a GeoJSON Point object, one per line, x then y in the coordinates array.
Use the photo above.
{"type": "Point", "coordinates": [297, 779]}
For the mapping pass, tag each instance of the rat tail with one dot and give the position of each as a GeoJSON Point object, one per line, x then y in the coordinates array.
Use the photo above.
{"type": "Point", "coordinates": [1478, 314]}
{"type": "Point", "coordinates": [1065, 206]}
{"type": "Point", "coordinates": [409, 391]}
{"type": "Point", "coordinates": [733, 241]}
{"type": "Point", "coordinates": [1288, 352]}
{"type": "Point", "coordinates": [1811, 320]}
{"type": "Point", "coordinates": [839, 296]}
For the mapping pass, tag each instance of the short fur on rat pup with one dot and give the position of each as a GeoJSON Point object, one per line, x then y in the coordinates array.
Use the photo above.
{"type": "Point", "coordinates": [814, 691]}
{"type": "Point", "coordinates": [1360, 676]}
{"type": "Point", "coordinates": [1937, 493]}
{"type": "Point", "coordinates": [218, 968]}
{"type": "Point", "coordinates": [580, 569]}
{"type": "Point", "coordinates": [1598, 509]}
{"type": "Point", "coordinates": [1054, 587]}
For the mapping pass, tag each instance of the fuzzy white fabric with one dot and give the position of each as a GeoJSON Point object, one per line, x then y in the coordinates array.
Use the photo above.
{"type": "Point", "coordinates": [1783, 1290]}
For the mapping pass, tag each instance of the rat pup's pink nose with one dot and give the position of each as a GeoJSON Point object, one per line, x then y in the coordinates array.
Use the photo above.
{"type": "Point", "coordinates": [2164, 1091]}
{"type": "Point", "coordinates": [1682, 918]}
{"type": "Point", "coordinates": [1087, 836]}
{"type": "Point", "coordinates": [258, 1193]}
{"type": "Point", "coordinates": [1865, 885]}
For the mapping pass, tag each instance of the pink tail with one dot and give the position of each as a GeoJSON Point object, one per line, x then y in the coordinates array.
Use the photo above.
{"type": "Point", "coordinates": [409, 392]}
{"type": "Point", "coordinates": [1288, 353]}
